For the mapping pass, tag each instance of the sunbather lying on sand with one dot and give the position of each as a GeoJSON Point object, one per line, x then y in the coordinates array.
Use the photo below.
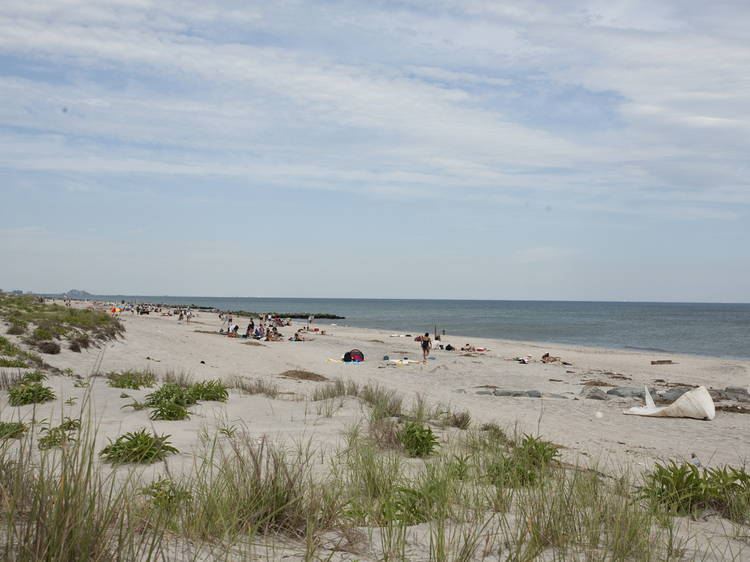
{"type": "Point", "coordinates": [547, 358]}
{"type": "Point", "coordinates": [468, 347]}
{"type": "Point", "coordinates": [298, 337]}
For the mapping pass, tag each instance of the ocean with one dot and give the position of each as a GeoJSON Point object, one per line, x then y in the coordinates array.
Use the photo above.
{"type": "Point", "coordinates": [703, 329]}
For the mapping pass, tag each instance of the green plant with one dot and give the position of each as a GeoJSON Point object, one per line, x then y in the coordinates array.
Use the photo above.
{"type": "Point", "coordinates": [228, 431]}
{"type": "Point", "coordinates": [170, 392]}
{"type": "Point", "coordinates": [125, 395]}
{"type": "Point", "coordinates": [81, 384]}
{"type": "Point", "coordinates": [42, 334]}
{"type": "Point", "coordinates": [164, 493]}
{"type": "Point", "coordinates": [209, 390]}
{"type": "Point", "coordinates": [138, 406]}
{"type": "Point", "coordinates": [169, 411]}
{"type": "Point", "coordinates": [418, 440]}
{"type": "Point", "coordinates": [12, 430]}
{"type": "Point", "coordinates": [30, 393]}
{"type": "Point", "coordinates": [137, 446]}
{"type": "Point", "coordinates": [70, 424]}
{"type": "Point", "coordinates": [54, 437]}
{"type": "Point", "coordinates": [17, 363]}
{"type": "Point", "coordinates": [679, 488]}
{"type": "Point", "coordinates": [531, 458]}
{"type": "Point", "coordinates": [35, 376]}
{"type": "Point", "coordinates": [71, 401]}
{"type": "Point", "coordinates": [132, 380]}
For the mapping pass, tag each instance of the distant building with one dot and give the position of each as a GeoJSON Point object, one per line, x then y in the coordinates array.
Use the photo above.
{"type": "Point", "coordinates": [76, 294]}
{"type": "Point", "coordinates": [16, 292]}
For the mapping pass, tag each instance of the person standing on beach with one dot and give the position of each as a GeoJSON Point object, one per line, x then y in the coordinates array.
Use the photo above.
{"type": "Point", "coordinates": [426, 345]}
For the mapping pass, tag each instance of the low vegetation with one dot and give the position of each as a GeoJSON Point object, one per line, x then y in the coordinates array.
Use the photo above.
{"type": "Point", "coordinates": [133, 380]}
{"type": "Point", "coordinates": [409, 481]}
{"type": "Point", "coordinates": [45, 325]}
{"type": "Point", "coordinates": [137, 447]}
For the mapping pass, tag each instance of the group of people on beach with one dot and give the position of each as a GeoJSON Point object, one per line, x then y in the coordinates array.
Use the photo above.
{"type": "Point", "coordinates": [267, 328]}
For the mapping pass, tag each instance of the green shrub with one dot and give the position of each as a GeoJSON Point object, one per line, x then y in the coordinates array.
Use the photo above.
{"type": "Point", "coordinates": [210, 390]}
{"type": "Point", "coordinates": [131, 380]}
{"type": "Point", "coordinates": [682, 489]}
{"type": "Point", "coordinates": [170, 392]}
{"type": "Point", "coordinates": [169, 411]}
{"type": "Point", "coordinates": [42, 334]}
{"type": "Point", "coordinates": [137, 446]}
{"type": "Point", "coordinates": [531, 458]}
{"type": "Point", "coordinates": [30, 393]}
{"type": "Point", "coordinates": [12, 430]}
{"type": "Point", "coordinates": [418, 440]}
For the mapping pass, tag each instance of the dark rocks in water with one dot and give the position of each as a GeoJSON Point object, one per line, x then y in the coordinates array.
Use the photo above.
{"type": "Point", "coordinates": [631, 392]}
{"type": "Point", "coordinates": [502, 392]}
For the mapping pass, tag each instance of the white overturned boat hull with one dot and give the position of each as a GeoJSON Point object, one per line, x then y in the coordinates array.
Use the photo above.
{"type": "Point", "coordinates": [696, 404]}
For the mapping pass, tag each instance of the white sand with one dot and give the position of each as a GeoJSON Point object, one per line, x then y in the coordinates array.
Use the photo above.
{"type": "Point", "coordinates": [584, 426]}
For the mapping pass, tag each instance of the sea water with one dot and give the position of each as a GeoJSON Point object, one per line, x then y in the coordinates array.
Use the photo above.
{"type": "Point", "coordinates": [709, 330]}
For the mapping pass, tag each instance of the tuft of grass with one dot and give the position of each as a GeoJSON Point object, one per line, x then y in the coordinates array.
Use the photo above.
{"type": "Point", "coordinates": [137, 447]}
{"type": "Point", "coordinates": [214, 390]}
{"type": "Point", "coordinates": [460, 420]}
{"type": "Point", "coordinates": [683, 489]}
{"type": "Point", "coordinates": [255, 386]}
{"type": "Point", "coordinates": [418, 440]}
{"type": "Point", "coordinates": [12, 430]}
{"type": "Point", "coordinates": [170, 392]}
{"type": "Point", "coordinates": [30, 393]}
{"type": "Point", "coordinates": [164, 493]}
{"type": "Point", "coordinates": [132, 380]}
{"type": "Point", "coordinates": [169, 411]}
{"type": "Point", "coordinates": [181, 378]}
{"type": "Point", "coordinates": [13, 363]}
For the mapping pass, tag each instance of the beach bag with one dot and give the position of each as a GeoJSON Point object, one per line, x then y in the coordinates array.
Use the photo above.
{"type": "Point", "coordinates": [347, 357]}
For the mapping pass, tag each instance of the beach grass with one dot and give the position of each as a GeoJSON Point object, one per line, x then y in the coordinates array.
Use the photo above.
{"type": "Point", "coordinates": [466, 490]}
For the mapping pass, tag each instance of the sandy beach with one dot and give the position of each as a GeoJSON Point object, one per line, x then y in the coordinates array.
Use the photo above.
{"type": "Point", "coordinates": [589, 432]}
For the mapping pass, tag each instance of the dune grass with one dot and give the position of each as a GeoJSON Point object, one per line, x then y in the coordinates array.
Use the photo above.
{"type": "Point", "coordinates": [487, 492]}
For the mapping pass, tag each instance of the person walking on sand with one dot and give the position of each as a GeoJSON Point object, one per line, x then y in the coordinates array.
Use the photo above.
{"type": "Point", "coordinates": [426, 345]}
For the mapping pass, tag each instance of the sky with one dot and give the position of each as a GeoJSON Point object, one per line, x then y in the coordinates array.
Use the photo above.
{"type": "Point", "coordinates": [467, 149]}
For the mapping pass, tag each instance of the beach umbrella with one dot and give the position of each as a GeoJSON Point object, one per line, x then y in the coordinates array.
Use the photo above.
{"type": "Point", "coordinates": [116, 309]}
